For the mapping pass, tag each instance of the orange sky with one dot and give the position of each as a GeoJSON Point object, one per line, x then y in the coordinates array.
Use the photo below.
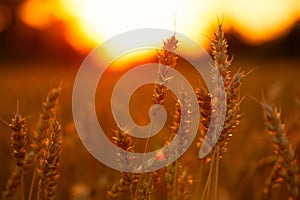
{"type": "Point", "coordinates": [90, 22]}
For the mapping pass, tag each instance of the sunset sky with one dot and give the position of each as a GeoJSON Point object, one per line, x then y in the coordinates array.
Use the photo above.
{"type": "Point", "coordinates": [90, 22]}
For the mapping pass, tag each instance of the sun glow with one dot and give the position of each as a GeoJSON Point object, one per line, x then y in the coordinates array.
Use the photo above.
{"type": "Point", "coordinates": [41, 19]}
{"type": "Point", "coordinates": [258, 21]}
{"type": "Point", "coordinates": [90, 22]}
{"type": "Point", "coordinates": [100, 20]}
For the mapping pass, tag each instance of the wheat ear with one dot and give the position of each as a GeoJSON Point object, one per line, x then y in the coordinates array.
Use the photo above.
{"type": "Point", "coordinates": [171, 170]}
{"type": "Point", "coordinates": [144, 187]}
{"type": "Point", "coordinates": [175, 180]}
{"type": "Point", "coordinates": [126, 181]}
{"type": "Point", "coordinates": [18, 138]}
{"type": "Point", "coordinates": [166, 57]}
{"type": "Point", "coordinates": [232, 86]}
{"type": "Point", "coordinates": [208, 106]}
{"type": "Point", "coordinates": [286, 166]}
{"type": "Point", "coordinates": [48, 111]}
{"type": "Point", "coordinates": [44, 138]}
{"type": "Point", "coordinates": [204, 101]}
{"type": "Point", "coordinates": [18, 143]}
{"type": "Point", "coordinates": [50, 164]}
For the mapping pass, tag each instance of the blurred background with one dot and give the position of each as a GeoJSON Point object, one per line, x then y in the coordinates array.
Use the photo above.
{"type": "Point", "coordinates": [43, 42]}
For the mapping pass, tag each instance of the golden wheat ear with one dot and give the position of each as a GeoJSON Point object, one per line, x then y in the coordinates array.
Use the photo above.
{"type": "Point", "coordinates": [19, 138]}
{"type": "Point", "coordinates": [48, 112]}
{"type": "Point", "coordinates": [18, 144]}
{"type": "Point", "coordinates": [46, 145]}
{"type": "Point", "coordinates": [123, 140]}
{"type": "Point", "coordinates": [286, 168]}
{"type": "Point", "coordinates": [166, 57]}
{"type": "Point", "coordinates": [49, 173]}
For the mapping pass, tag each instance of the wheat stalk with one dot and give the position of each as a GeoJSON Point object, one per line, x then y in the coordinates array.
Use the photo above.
{"type": "Point", "coordinates": [286, 167]}
{"type": "Point", "coordinates": [176, 185]}
{"type": "Point", "coordinates": [204, 102]}
{"type": "Point", "coordinates": [166, 57]}
{"type": "Point", "coordinates": [12, 183]}
{"type": "Point", "coordinates": [46, 145]}
{"type": "Point", "coordinates": [233, 113]}
{"type": "Point", "coordinates": [208, 105]}
{"type": "Point", "coordinates": [50, 164]}
{"type": "Point", "coordinates": [144, 187]}
{"type": "Point", "coordinates": [18, 138]}
{"type": "Point", "coordinates": [48, 111]}
{"type": "Point", "coordinates": [18, 143]}
{"type": "Point", "coordinates": [126, 180]}
{"type": "Point", "coordinates": [184, 180]}
{"type": "Point", "coordinates": [232, 86]}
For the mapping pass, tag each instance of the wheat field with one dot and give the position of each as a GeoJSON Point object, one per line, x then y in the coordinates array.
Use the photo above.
{"type": "Point", "coordinates": [256, 156]}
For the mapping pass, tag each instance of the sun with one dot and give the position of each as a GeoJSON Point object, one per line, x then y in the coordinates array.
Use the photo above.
{"type": "Point", "coordinates": [97, 20]}
{"type": "Point", "coordinates": [88, 23]}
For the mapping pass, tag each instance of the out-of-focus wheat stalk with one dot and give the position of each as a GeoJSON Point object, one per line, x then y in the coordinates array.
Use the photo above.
{"type": "Point", "coordinates": [297, 100]}
{"type": "Point", "coordinates": [126, 180]}
{"type": "Point", "coordinates": [176, 174]}
{"type": "Point", "coordinates": [46, 145]}
{"type": "Point", "coordinates": [144, 187]}
{"type": "Point", "coordinates": [171, 170]}
{"type": "Point", "coordinates": [18, 143]}
{"type": "Point", "coordinates": [46, 150]}
{"type": "Point", "coordinates": [178, 181]}
{"type": "Point", "coordinates": [41, 136]}
{"type": "Point", "coordinates": [50, 164]}
{"type": "Point", "coordinates": [167, 59]}
{"type": "Point", "coordinates": [286, 167]}
{"type": "Point", "coordinates": [146, 182]}
{"type": "Point", "coordinates": [12, 183]}
{"type": "Point", "coordinates": [18, 138]}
